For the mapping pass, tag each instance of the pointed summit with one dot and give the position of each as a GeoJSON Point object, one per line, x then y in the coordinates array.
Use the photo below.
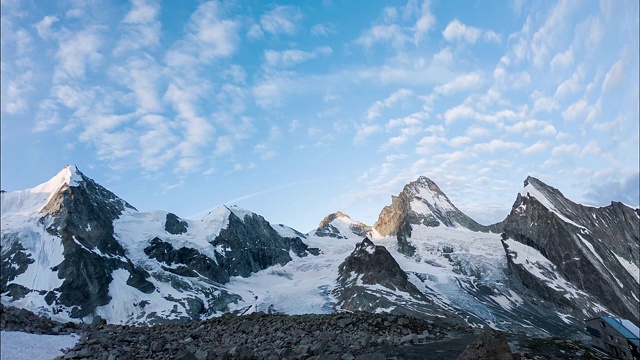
{"type": "Point", "coordinates": [32, 200]}
{"type": "Point", "coordinates": [595, 248]}
{"type": "Point", "coordinates": [421, 202]}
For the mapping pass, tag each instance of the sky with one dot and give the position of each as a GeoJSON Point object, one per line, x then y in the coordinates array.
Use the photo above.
{"type": "Point", "coordinates": [295, 110]}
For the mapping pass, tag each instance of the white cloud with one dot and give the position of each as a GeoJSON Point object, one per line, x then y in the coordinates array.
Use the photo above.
{"type": "Point", "coordinates": [293, 125]}
{"type": "Point", "coordinates": [364, 131]}
{"type": "Point", "coordinates": [543, 103]}
{"type": "Point", "coordinates": [375, 110]}
{"type": "Point", "coordinates": [456, 30]}
{"type": "Point", "coordinates": [461, 111]}
{"type": "Point", "coordinates": [44, 26]}
{"type": "Point", "coordinates": [142, 76]}
{"type": "Point", "coordinates": [491, 36]}
{"type": "Point", "coordinates": [563, 60]}
{"type": "Point", "coordinates": [281, 20]}
{"type": "Point", "coordinates": [461, 83]}
{"type": "Point", "coordinates": [14, 98]}
{"type": "Point", "coordinates": [46, 116]}
{"type": "Point", "coordinates": [497, 144]}
{"type": "Point", "coordinates": [255, 32]}
{"type": "Point", "coordinates": [571, 85]}
{"type": "Point", "coordinates": [544, 40]}
{"type": "Point", "coordinates": [576, 110]}
{"type": "Point", "coordinates": [424, 23]}
{"type": "Point", "coordinates": [289, 58]}
{"type": "Point", "coordinates": [539, 146]}
{"type": "Point", "coordinates": [391, 34]}
{"type": "Point", "coordinates": [572, 150]}
{"type": "Point", "coordinates": [76, 53]}
{"type": "Point", "coordinates": [324, 29]}
{"type": "Point", "coordinates": [209, 37]}
{"type": "Point", "coordinates": [459, 141]}
{"type": "Point", "coordinates": [141, 27]}
{"type": "Point", "coordinates": [476, 132]}
{"type": "Point", "coordinates": [269, 91]}
{"type": "Point", "coordinates": [429, 144]}
{"type": "Point", "coordinates": [614, 76]}
{"type": "Point", "coordinates": [156, 142]}
{"type": "Point", "coordinates": [532, 127]}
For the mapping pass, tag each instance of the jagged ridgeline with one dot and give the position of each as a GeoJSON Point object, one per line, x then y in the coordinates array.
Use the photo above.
{"type": "Point", "coordinates": [73, 250]}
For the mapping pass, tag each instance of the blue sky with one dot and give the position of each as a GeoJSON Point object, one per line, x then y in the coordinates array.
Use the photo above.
{"type": "Point", "coordinates": [298, 109]}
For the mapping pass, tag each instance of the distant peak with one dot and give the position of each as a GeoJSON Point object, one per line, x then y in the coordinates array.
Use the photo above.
{"type": "Point", "coordinates": [329, 218]}
{"type": "Point", "coordinates": [426, 183]}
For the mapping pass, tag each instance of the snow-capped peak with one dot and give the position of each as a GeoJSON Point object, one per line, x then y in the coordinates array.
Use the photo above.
{"type": "Point", "coordinates": [340, 225]}
{"type": "Point", "coordinates": [69, 175]}
{"type": "Point", "coordinates": [34, 199]}
{"type": "Point", "coordinates": [543, 193]}
{"type": "Point", "coordinates": [333, 216]}
{"type": "Point", "coordinates": [425, 192]}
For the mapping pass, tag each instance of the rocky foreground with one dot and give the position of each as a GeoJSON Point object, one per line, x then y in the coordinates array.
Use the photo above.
{"type": "Point", "coordinates": [360, 336]}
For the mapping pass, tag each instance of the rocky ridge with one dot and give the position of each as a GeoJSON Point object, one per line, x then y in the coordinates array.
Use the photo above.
{"type": "Point", "coordinates": [67, 243]}
{"type": "Point", "coordinates": [422, 202]}
{"type": "Point", "coordinates": [587, 246]}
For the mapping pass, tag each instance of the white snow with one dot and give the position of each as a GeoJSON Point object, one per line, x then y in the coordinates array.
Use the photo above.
{"type": "Point", "coordinates": [24, 346]}
{"type": "Point", "coordinates": [240, 212]}
{"type": "Point", "coordinates": [564, 317]}
{"type": "Point", "coordinates": [31, 201]}
{"type": "Point", "coordinates": [286, 231]}
{"type": "Point", "coordinates": [630, 267]}
{"type": "Point", "coordinates": [437, 200]}
{"type": "Point", "coordinates": [344, 226]}
{"type": "Point", "coordinates": [591, 248]}
{"type": "Point", "coordinates": [536, 264]}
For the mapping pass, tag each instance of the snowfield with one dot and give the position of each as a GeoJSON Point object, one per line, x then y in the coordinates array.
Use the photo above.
{"type": "Point", "coordinates": [18, 345]}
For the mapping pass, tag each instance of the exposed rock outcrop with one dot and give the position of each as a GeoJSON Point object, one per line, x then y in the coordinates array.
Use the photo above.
{"type": "Point", "coordinates": [250, 244]}
{"type": "Point", "coordinates": [595, 249]}
{"type": "Point", "coordinates": [370, 279]}
{"type": "Point", "coordinates": [422, 202]}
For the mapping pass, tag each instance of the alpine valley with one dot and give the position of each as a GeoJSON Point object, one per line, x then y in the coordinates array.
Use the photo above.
{"type": "Point", "coordinates": [74, 251]}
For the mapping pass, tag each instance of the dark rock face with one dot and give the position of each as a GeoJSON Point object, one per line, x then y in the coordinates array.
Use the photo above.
{"type": "Point", "coordinates": [370, 279]}
{"type": "Point", "coordinates": [251, 245]}
{"type": "Point", "coordinates": [190, 261]}
{"type": "Point", "coordinates": [174, 225]}
{"type": "Point", "coordinates": [82, 216]}
{"type": "Point", "coordinates": [584, 243]}
{"type": "Point", "coordinates": [14, 262]}
{"type": "Point", "coordinates": [490, 344]}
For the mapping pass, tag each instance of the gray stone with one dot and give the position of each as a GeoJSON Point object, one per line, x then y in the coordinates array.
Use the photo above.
{"type": "Point", "coordinates": [408, 338]}
{"type": "Point", "coordinates": [490, 344]}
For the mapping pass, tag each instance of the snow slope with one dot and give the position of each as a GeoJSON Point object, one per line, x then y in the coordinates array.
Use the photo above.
{"type": "Point", "coordinates": [18, 345]}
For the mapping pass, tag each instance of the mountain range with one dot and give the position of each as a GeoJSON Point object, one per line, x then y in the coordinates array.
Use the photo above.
{"type": "Point", "coordinates": [74, 251]}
